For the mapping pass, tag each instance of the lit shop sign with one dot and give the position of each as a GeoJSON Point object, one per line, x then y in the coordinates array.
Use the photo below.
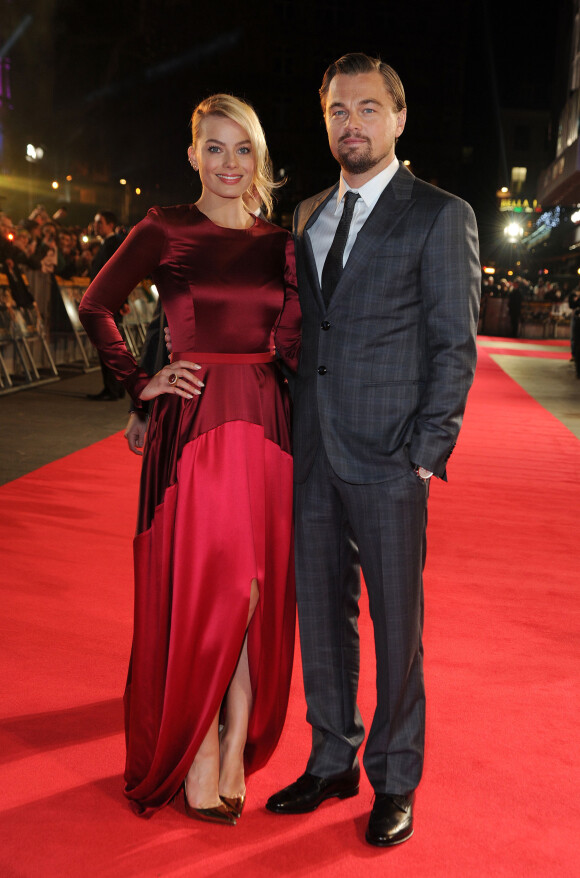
{"type": "Point", "coordinates": [548, 221]}
{"type": "Point", "coordinates": [520, 205]}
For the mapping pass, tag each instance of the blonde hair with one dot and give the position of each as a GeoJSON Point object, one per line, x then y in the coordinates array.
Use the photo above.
{"type": "Point", "coordinates": [241, 112]}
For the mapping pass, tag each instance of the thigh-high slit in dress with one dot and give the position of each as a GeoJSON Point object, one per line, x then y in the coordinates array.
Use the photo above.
{"type": "Point", "coordinates": [215, 508]}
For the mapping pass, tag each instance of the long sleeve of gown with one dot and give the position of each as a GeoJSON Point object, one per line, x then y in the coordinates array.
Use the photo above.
{"type": "Point", "coordinates": [287, 334]}
{"type": "Point", "coordinates": [136, 258]}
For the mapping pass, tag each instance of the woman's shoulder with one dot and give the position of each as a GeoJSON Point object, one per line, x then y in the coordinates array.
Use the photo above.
{"type": "Point", "coordinates": [265, 227]}
{"type": "Point", "coordinates": [177, 214]}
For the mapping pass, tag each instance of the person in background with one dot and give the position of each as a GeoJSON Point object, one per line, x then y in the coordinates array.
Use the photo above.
{"type": "Point", "coordinates": [515, 299]}
{"type": "Point", "coordinates": [104, 226]}
{"type": "Point", "coordinates": [574, 305]}
{"type": "Point", "coordinates": [153, 357]}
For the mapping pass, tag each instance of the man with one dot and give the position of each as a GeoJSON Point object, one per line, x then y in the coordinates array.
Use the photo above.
{"type": "Point", "coordinates": [105, 223]}
{"type": "Point", "coordinates": [389, 287]}
{"type": "Point", "coordinates": [574, 305]}
{"type": "Point", "coordinates": [154, 356]}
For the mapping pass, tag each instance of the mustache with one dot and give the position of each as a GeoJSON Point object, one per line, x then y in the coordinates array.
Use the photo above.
{"type": "Point", "coordinates": [348, 134]}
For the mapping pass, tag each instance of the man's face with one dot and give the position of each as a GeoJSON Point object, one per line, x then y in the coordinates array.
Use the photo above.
{"type": "Point", "coordinates": [6, 227]}
{"type": "Point", "coordinates": [102, 227]}
{"type": "Point", "coordinates": [362, 125]}
{"type": "Point", "coordinates": [65, 242]}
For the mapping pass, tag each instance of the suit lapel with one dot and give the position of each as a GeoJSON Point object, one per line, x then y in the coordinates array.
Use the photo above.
{"type": "Point", "coordinates": [306, 220]}
{"type": "Point", "coordinates": [392, 205]}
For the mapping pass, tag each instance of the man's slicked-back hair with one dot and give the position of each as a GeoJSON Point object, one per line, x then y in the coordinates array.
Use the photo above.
{"type": "Point", "coordinates": [109, 217]}
{"type": "Point", "coordinates": [358, 62]}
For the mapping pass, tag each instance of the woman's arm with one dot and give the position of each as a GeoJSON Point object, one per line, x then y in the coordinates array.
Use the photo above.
{"type": "Point", "coordinates": [137, 257]}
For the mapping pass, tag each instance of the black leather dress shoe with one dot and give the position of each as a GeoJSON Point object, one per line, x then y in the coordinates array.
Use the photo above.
{"type": "Point", "coordinates": [105, 396]}
{"type": "Point", "coordinates": [391, 820]}
{"type": "Point", "coordinates": [309, 791]}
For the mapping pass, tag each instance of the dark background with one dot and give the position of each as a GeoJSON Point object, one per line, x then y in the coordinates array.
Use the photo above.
{"type": "Point", "coordinates": [108, 89]}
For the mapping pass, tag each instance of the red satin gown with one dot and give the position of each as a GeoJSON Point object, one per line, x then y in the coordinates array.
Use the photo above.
{"type": "Point", "coordinates": [215, 507]}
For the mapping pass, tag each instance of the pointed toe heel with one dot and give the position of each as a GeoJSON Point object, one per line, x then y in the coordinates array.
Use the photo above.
{"type": "Point", "coordinates": [218, 814]}
{"type": "Point", "coordinates": [235, 804]}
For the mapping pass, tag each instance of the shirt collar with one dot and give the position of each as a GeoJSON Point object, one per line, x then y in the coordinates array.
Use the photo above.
{"type": "Point", "coordinates": [373, 189]}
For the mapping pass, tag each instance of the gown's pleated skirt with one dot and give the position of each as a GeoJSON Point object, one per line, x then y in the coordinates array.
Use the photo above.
{"type": "Point", "coordinates": [215, 513]}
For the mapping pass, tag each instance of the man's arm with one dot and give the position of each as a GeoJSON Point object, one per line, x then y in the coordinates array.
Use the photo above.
{"type": "Point", "coordinates": [450, 288]}
{"type": "Point", "coordinates": [153, 358]}
{"type": "Point", "coordinates": [135, 431]}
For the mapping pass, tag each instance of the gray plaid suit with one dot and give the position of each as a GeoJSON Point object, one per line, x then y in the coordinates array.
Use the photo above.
{"type": "Point", "coordinates": [382, 384]}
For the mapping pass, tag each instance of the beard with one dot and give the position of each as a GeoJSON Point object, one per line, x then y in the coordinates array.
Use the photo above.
{"type": "Point", "coordinates": [358, 161]}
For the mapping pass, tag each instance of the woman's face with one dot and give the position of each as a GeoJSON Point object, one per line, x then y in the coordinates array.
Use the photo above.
{"type": "Point", "coordinates": [224, 157]}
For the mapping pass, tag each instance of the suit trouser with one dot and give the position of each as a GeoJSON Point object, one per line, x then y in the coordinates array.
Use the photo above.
{"type": "Point", "coordinates": [381, 526]}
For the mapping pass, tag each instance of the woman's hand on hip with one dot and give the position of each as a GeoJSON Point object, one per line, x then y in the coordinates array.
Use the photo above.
{"type": "Point", "coordinates": [178, 378]}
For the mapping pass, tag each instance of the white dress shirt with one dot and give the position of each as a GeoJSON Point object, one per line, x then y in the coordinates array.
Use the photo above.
{"type": "Point", "coordinates": [323, 231]}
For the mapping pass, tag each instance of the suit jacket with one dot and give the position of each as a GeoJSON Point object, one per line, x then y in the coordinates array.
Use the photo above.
{"type": "Point", "coordinates": [385, 370]}
{"type": "Point", "coordinates": [109, 246]}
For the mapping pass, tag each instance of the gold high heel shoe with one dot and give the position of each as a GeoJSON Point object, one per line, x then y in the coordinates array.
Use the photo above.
{"type": "Point", "coordinates": [220, 814]}
{"type": "Point", "coordinates": [234, 804]}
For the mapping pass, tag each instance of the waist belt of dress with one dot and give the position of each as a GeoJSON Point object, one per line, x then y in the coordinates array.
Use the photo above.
{"type": "Point", "coordinates": [235, 359]}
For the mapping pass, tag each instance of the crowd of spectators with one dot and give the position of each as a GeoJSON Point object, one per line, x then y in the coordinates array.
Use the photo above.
{"type": "Point", "coordinates": [545, 290]}
{"type": "Point", "coordinates": [547, 300]}
{"type": "Point", "coordinates": [49, 244]}
{"type": "Point", "coordinates": [39, 256]}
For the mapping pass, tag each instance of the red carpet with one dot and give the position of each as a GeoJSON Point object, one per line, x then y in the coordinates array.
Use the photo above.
{"type": "Point", "coordinates": [553, 348]}
{"type": "Point", "coordinates": [499, 795]}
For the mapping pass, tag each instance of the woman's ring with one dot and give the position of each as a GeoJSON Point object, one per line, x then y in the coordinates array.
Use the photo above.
{"type": "Point", "coordinates": [172, 378]}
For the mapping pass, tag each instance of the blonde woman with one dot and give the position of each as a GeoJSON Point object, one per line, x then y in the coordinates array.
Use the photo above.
{"type": "Point", "coordinates": [214, 584]}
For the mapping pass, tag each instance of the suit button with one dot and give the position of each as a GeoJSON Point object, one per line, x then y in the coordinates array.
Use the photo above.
{"type": "Point", "coordinates": [322, 370]}
{"type": "Point", "coordinates": [325, 325]}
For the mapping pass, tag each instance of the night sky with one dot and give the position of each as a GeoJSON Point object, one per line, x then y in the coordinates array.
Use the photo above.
{"type": "Point", "coordinates": [108, 88]}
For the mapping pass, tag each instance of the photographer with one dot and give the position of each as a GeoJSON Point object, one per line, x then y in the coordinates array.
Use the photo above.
{"type": "Point", "coordinates": [574, 303]}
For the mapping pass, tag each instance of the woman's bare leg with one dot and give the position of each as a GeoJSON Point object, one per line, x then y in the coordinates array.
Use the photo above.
{"type": "Point", "coordinates": [202, 779]}
{"type": "Point", "coordinates": [218, 767]}
{"type": "Point", "coordinates": [238, 705]}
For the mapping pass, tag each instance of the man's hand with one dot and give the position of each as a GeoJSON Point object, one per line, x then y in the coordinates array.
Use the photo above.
{"type": "Point", "coordinates": [135, 432]}
{"type": "Point", "coordinates": [48, 263]}
{"type": "Point", "coordinates": [424, 474]}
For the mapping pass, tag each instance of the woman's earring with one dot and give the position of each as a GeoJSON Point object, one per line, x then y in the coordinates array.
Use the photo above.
{"type": "Point", "coordinates": [191, 160]}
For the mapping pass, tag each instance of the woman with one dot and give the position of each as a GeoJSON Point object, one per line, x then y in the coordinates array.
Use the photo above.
{"type": "Point", "coordinates": [214, 593]}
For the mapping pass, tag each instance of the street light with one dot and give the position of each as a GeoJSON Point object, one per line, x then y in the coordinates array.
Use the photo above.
{"type": "Point", "coordinates": [513, 232]}
{"type": "Point", "coordinates": [34, 153]}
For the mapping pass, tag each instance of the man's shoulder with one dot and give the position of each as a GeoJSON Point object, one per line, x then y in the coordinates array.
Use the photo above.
{"type": "Point", "coordinates": [316, 199]}
{"type": "Point", "coordinates": [306, 208]}
{"type": "Point", "coordinates": [433, 194]}
{"type": "Point", "coordinates": [110, 245]}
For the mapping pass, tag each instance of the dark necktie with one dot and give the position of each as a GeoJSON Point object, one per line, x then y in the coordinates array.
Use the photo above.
{"type": "Point", "coordinates": [332, 269]}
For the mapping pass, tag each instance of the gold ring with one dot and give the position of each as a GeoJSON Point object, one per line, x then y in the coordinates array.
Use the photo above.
{"type": "Point", "coordinates": [172, 378]}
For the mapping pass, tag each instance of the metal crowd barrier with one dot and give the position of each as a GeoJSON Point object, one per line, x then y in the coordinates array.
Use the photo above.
{"type": "Point", "coordinates": [21, 326]}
